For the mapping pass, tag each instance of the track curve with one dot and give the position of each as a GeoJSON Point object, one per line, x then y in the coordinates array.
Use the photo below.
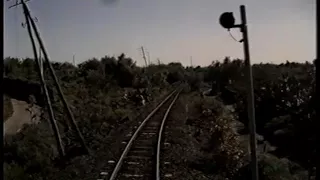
{"type": "Point", "coordinates": [141, 156]}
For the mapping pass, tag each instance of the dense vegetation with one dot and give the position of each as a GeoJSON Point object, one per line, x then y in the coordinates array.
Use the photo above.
{"type": "Point", "coordinates": [7, 107]}
{"type": "Point", "coordinates": [95, 89]}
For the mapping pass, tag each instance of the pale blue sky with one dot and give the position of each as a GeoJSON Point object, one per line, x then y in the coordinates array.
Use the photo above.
{"type": "Point", "coordinates": [172, 30]}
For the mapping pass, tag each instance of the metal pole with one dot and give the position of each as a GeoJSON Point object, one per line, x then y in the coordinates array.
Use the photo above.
{"type": "Point", "coordinates": [48, 102]}
{"type": "Point", "coordinates": [251, 109]}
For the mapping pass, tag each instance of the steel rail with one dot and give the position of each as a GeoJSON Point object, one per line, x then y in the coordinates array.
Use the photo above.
{"type": "Point", "coordinates": [128, 146]}
{"type": "Point", "coordinates": [160, 136]}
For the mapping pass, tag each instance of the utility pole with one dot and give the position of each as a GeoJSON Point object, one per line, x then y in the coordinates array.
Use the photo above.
{"type": "Point", "coordinates": [2, 74]}
{"type": "Point", "coordinates": [46, 57]}
{"type": "Point", "coordinates": [159, 62]}
{"type": "Point", "coordinates": [44, 86]}
{"type": "Point", "coordinates": [227, 21]}
{"type": "Point", "coordinates": [31, 25]}
{"type": "Point", "coordinates": [148, 54]}
{"type": "Point", "coordinates": [40, 61]}
{"type": "Point", "coordinates": [191, 61]}
{"type": "Point", "coordinates": [39, 52]}
{"type": "Point", "coordinates": [73, 60]}
{"type": "Point", "coordinates": [144, 56]}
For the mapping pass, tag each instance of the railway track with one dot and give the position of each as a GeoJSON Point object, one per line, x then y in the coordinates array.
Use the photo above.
{"type": "Point", "coordinates": [142, 154]}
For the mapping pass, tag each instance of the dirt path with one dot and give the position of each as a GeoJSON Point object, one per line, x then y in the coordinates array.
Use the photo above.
{"type": "Point", "coordinates": [21, 115]}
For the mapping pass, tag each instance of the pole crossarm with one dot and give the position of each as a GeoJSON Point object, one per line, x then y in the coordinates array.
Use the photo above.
{"type": "Point", "coordinates": [18, 4]}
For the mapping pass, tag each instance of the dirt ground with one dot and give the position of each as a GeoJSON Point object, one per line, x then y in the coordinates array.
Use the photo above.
{"type": "Point", "coordinates": [23, 113]}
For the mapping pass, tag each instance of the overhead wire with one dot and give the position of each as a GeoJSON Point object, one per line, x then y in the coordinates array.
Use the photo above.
{"type": "Point", "coordinates": [240, 41]}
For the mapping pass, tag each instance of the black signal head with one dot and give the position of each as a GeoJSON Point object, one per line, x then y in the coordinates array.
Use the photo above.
{"type": "Point", "coordinates": [227, 20]}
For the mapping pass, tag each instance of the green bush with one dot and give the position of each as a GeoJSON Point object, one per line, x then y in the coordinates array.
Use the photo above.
{"type": "Point", "coordinates": [95, 91]}
{"type": "Point", "coordinates": [29, 154]}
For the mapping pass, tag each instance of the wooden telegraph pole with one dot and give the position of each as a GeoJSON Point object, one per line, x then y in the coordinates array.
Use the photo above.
{"type": "Point", "coordinates": [148, 54]}
{"type": "Point", "coordinates": [74, 60]}
{"type": "Point", "coordinates": [64, 102]}
{"type": "Point", "coordinates": [227, 21]}
{"type": "Point", "coordinates": [31, 26]}
{"type": "Point", "coordinates": [144, 56]}
{"type": "Point", "coordinates": [44, 86]}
